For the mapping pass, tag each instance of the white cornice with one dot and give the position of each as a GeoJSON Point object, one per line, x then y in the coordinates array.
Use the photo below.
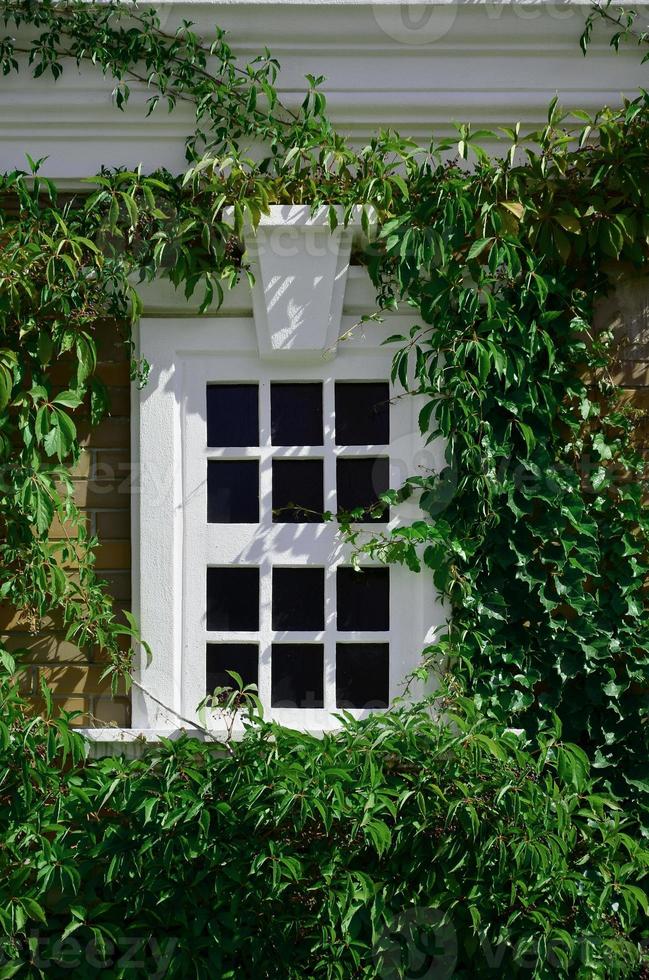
{"type": "Point", "coordinates": [489, 64]}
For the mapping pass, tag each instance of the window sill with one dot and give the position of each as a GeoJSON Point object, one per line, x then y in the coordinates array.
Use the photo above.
{"type": "Point", "coordinates": [133, 742]}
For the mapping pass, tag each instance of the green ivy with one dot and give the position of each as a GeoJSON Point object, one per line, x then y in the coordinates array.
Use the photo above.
{"type": "Point", "coordinates": [397, 847]}
{"type": "Point", "coordinates": [537, 528]}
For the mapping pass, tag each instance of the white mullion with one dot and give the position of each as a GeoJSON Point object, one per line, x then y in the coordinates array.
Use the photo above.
{"type": "Point", "coordinates": [265, 458]}
{"type": "Point", "coordinates": [298, 636]}
{"type": "Point", "coordinates": [265, 631]}
{"type": "Point", "coordinates": [363, 636]}
{"type": "Point", "coordinates": [297, 452]}
{"type": "Point", "coordinates": [330, 498]}
{"type": "Point", "coordinates": [281, 452]}
{"type": "Point", "coordinates": [329, 464]}
{"type": "Point", "coordinates": [361, 451]}
{"type": "Point", "coordinates": [265, 529]}
{"type": "Point", "coordinates": [231, 636]}
{"type": "Point", "coordinates": [231, 452]}
{"type": "Point", "coordinates": [330, 639]}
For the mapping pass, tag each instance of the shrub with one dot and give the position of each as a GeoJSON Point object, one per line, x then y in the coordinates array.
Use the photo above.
{"type": "Point", "coordinates": [401, 843]}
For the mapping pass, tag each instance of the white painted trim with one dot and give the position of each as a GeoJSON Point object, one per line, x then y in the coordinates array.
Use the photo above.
{"type": "Point", "coordinates": [135, 482]}
{"type": "Point", "coordinates": [131, 742]}
{"type": "Point", "coordinates": [173, 528]}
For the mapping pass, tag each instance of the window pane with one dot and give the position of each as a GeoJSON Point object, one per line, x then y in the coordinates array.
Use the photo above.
{"type": "Point", "coordinates": [363, 599]}
{"type": "Point", "coordinates": [359, 483]}
{"type": "Point", "coordinates": [297, 675]}
{"type": "Point", "coordinates": [362, 413]}
{"type": "Point", "coordinates": [233, 598]}
{"type": "Point", "coordinates": [232, 491]}
{"type": "Point", "coordinates": [296, 414]}
{"type": "Point", "coordinates": [220, 657]}
{"type": "Point", "coordinates": [297, 491]}
{"type": "Point", "coordinates": [362, 675]}
{"type": "Point", "coordinates": [232, 415]}
{"type": "Point", "coordinates": [298, 598]}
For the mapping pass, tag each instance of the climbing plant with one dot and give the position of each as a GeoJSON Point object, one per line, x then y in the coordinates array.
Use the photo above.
{"type": "Point", "coordinates": [399, 846]}
{"type": "Point", "coordinates": [527, 851]}
{"type": "Point", "coordinates": [536, 529]}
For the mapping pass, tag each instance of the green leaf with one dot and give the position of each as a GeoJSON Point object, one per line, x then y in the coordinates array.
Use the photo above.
{"type": "Point", "coordinates": [572, 765]}
{"type": "Point", "coordinates": [6, 385]}
{"type": "Point", "coordinates": [34, 910]}
{"type": "Point", "coordinates": [70, 399]}
{"type": "Point", "coordinates": [43, 509]}
{"type": "Point", "coordinates": [10, 970]}
{"type": "Point", "coordinates": [478, 247]}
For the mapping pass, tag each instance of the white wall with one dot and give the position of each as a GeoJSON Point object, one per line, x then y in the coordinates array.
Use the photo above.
{"type": "Point", "coordinates": [414, 67]}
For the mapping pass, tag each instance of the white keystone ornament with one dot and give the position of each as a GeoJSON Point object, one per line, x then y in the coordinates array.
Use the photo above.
{"type": "Point", "coordinates": [300, 268]}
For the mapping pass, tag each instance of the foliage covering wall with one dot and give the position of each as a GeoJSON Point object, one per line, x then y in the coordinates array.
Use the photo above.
{"type": "Point", "coordinates": [536, 531]}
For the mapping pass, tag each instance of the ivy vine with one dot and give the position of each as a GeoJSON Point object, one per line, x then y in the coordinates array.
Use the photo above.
{"type": "Point", "coordinates": [536, 530]}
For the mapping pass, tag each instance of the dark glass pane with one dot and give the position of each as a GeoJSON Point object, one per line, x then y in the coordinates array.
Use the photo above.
{"type": "Point", "coordinates": [233, 598]}
{"type": "Point", "coordinates": [297, 675]}
{"type": "Point", "coordinates": [298, 598]}
{"type": "Point", "coordinates": [359, 483]}
{"type": "Point", "coordinates": [296, 414]}
{"type": "Point", "coordinates": [362, 413]}
{"type": "Point", "coordinates": [297, 491]}
{"type": "Point", "coordinates": [362, 675]}
{"type": "Point", "coordinates": [232, 415]}
{"type": "Point", "coordinates": [363, 599]}
{"type": "Point", "coordinates": [220, 657]}
{"type": "Point", "coordinates": [232, 491]}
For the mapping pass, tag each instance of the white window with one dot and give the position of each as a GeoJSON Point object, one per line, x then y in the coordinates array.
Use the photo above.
{"type": "Point", "coordinates": [240, 458]}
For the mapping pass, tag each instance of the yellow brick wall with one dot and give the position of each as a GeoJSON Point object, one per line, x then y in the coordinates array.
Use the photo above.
{"type": "Point", "coordinates": [103, 486]}
{"type": "Point", "coordinates": [626, 310]}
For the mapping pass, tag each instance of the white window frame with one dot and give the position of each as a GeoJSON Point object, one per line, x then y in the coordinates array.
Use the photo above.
{"type": "Point", "coordinates": [176, 544]}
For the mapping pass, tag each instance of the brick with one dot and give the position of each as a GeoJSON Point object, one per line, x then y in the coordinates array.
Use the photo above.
{"type": "Point", "coordinates": [113, 525]}
{"type": "Point", "coordinates": [114, 555]}
{"type": "Point", "coordinates": [120, 401]}
{"type": "Point", "coordinates": [58, 530]}
{"type": "Point", "coordinates": [59, 704]}
{"type": "Point", "coordinates": [637, 398]}
{"type": "Point", "coordinates": [114, 349]}
{"type": "Point", "coordinates": [26, 678]}
{"type": "Point", "coordinates": [107, 461]}
{"type": "Point", "coordinates": [631, 373]}
{"type": "Point", "coordinates": [45, 647]}
{"type": "Point", "coordinates": [63, 373]}
{"type": "Point", "coordinates": [112, 433]}
{"type": "Point", "coordinates": [92, 494]}
{"type": "Point", "coordinates": [114, 474]}
{"type": "Point", "coordinates": [100, 656]}
{"type": "Point", "coordinates": [114, 373]}
{"type": "Point", "coordinates": [81, 469]}
{"type": "Point", "coordinates": [66, 679]}
{"type": "Point", "coordinates": [14, 619]}
{"type": "Point", "coordinates": [119, 584]}
{"type": "Point", "coordinates": [74, 704]}
{"type": "Point", "coordinates": [111, 341]}
{"type": "Point", "coordinates": [109, 711]}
